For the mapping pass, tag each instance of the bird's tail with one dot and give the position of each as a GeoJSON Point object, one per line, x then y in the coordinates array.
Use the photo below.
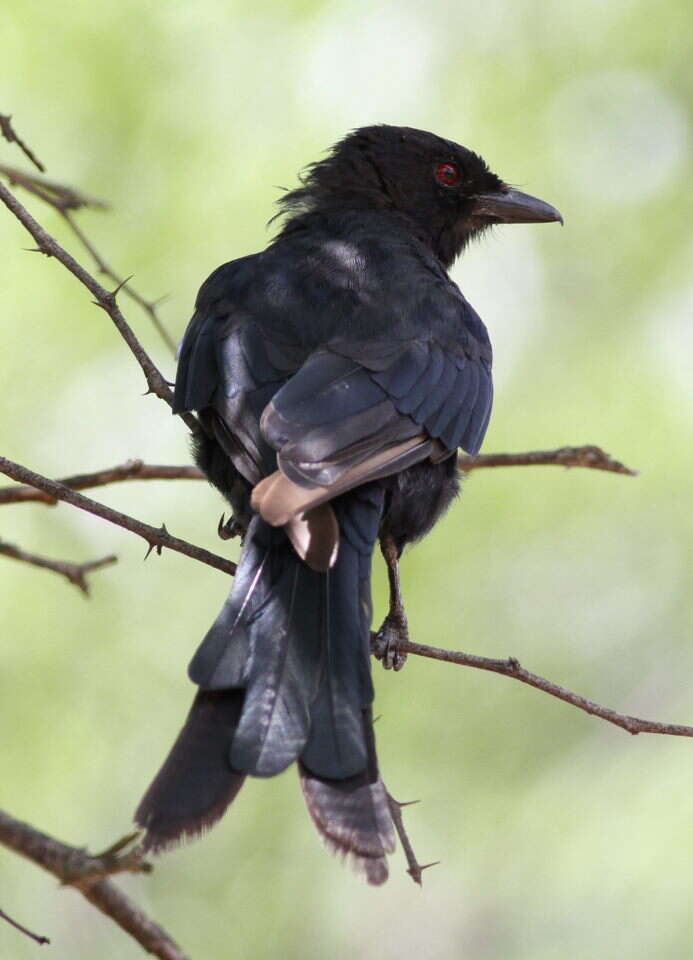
{"type": "Point", "coordinates": [284, 675]}
{"type": "Point", "coordinates": [196, 783]}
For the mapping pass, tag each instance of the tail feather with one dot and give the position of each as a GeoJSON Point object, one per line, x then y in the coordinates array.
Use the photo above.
{"type": "Point", "coordinates": [197, 782]}
{"type": "Point", "coordinates": [275, 723]}
{"type": "Point", "coordinates": [336, 747]}
{"type": "Point", "coordinates": [265, 640]}
{"type": "Point", "coordinates": [352, 815]}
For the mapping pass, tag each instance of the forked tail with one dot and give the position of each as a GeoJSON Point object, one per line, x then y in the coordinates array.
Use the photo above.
{"type": "Point", "coordinates": [284, 675]}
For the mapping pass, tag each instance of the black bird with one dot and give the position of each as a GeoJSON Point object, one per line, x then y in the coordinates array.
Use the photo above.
{"type": "Point", "coordinates": [335, 376]}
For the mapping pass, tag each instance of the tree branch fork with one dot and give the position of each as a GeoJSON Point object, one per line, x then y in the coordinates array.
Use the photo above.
{"type": "Point", "coordinates": [89, 874]}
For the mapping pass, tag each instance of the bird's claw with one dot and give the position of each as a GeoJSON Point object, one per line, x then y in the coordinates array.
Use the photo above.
{"type": "Point", "coordinates": [385, 644]}
{"type": "Point", "coordinates": [228, 529]}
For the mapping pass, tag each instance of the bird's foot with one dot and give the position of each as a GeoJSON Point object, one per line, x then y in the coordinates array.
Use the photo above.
{"type": "Point", "coordinates": [228, 529]}
{"type": "Point", "coordinates": [386, 643]}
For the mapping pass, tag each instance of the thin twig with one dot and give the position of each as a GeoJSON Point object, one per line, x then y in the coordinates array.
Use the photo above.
{"type": "Point", "coordinates": [156, 537]}
{"type": "Point", "coordinates": [587, 456]}
{"type": "Point", "coordinates": [25, 930]}
{"type": "Point", "coordinates": [149, 306]}
{"type": "Point", "coordinates": [105, 299]}
{"type": "Point", "coordinates": [60, 196]}
{"type": "Point", "coordinates": [414, 868]}
{"type": "Point", "coordinates": [512, 668]}
{"type": "Point", "coordinates": [138, 470]}
{"type": "Point", "coordinates": [65, 200]}
{"type": "Point", "coordinates": [89, 874]}
{"type": "Point", "coordinates": [8, 132]}
{"type": "Point", "coordinates": [131, 470]}
{"type": "Point", "coordinates": [76, 573]}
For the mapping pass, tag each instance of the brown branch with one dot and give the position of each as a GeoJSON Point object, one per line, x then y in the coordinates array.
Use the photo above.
{"type": "Point", "coordinates": [588, 456]}
{"type": "Point", "coordinates": [58, 195]}
{"type": "Point", "coordinates": [76, 573]}
{"type": "Point", "coordinates": [105, 299]}
{"type": "Point", "coordinates": [157, 538]}
{"type": "Point", "coordinates": [25, 930]}
{"type": "Point", "coordinates": [77, 868]}
{"type": "Point", "coordinates": [415, 869]}
{"type": "Point", "coordinates": [512, 668]}
{"type": "Point", "coordinates": [8, 132]}
{"type": "Point", "coordinates": [66, 199]}
{"type": "Point", "coordinates": [149, 306]}
{"type": "Point", "coordinates": [131, 470]}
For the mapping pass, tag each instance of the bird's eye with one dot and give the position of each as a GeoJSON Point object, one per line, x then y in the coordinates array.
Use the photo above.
{"type": "Point", "coordinates": [448, 174]}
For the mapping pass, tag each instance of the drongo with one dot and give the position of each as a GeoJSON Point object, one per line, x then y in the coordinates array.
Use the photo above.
{"type": "Point", "coordinates": [335, 376]}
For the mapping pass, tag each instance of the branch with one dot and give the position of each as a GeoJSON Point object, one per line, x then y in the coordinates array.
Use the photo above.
{"type": "Point", "coordinates": [18, 926]}
{"type": "Point", "coordinates": [65, 199]}
{"type": "Point", "coordinates": [415, 869]}
{"type": "Point", "coordinates": [157, 538]}
{"type": "Point", "coordinates": [149, 306]}
{"type": "Point", "coordinates": [7, 130]}
{"type": "Point", "coordinates": [105, 299]}
{"type": "Point", "coordinates": [58, 195]}
{"type": "Point", "coordinates": [512, 668]}
{"type": "Point", "coordinates": [588, 456]}
{"type": "Point", "coordinates": [77, 868]}
{"type": "Point", "coordinates": [131, 470]}
{"type": "Point", "coordinates": [76, 573]}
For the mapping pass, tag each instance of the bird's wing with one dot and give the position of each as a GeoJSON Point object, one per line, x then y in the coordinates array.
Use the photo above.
{"type": "Point", "coordinates": [229, 368]}
{"type": "Point", "coordinates": [360, 410]}
{"type": "Point", "coordinates": [406, 381]}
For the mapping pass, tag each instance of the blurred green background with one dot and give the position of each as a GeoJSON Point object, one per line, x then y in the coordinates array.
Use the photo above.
{"type": "Point", "coordinates": [559, 836]}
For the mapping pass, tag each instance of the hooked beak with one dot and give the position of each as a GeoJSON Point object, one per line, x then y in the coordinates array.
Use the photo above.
{"type": "Point", "coordinates": [512, 206]}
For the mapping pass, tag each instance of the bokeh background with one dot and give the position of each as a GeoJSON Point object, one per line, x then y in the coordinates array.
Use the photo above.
{"type": "Point", "coordinates": [559, 836]}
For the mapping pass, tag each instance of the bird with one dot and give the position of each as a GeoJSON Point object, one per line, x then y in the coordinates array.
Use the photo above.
{"type": "Point", "coordinates": [334, 375]}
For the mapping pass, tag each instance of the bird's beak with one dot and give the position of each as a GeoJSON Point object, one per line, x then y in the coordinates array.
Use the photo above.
{"type": "Point", "coordinates": [512, 206]}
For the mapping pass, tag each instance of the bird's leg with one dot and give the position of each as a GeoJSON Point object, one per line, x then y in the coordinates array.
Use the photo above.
{"type": "Point", "coordinates": [385, 643]}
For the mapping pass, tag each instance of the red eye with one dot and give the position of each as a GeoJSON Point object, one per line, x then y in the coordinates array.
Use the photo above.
{"type": "Point", "coordinates": [448, 174]}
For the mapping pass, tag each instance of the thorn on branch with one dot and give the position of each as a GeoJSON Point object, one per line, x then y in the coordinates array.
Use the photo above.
{"type": "Point", "coordinates": [120, 285]}
{"type": "Point", "coordinates": [37, 938]}
{"type": "Point", "coordinates": [414, 868]}
{"type": "Point", "coordinates": [156, 545]}
{"type": "Point", "coordinates": [415, 872]}
{"type": "Point", "coordinates": [120, 844]}
{"type": "Point", "coordinates": [91, 867]}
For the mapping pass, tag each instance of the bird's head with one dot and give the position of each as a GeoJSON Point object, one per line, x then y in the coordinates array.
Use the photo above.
{"type": "Point", "coordinates": [445, 192]}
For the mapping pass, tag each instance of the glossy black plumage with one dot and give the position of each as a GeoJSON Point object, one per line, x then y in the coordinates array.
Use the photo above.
{"type": "Point", "coordinates": [339, 366]}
